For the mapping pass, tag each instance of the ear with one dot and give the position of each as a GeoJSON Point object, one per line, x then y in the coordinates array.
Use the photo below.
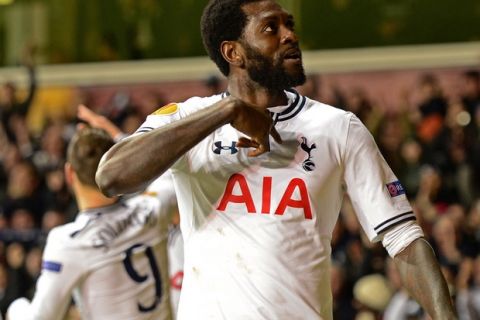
{"type": "Point", "coordinates": [232, 52]}
{"type": "Point", "coordinates": [69, 173]}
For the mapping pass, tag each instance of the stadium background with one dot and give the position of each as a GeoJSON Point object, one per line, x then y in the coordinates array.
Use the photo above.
{"type": "Point", "coordinates": [400, 65]}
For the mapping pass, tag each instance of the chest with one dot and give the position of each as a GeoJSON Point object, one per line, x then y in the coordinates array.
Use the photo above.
{"type": "Point", "coordinates": [302, 164]}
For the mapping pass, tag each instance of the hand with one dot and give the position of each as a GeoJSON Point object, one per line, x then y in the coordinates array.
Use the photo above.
{"type": "Point", "coordinates": [97, 121]}
{"type": "Point", "coordinates": [256, 123]}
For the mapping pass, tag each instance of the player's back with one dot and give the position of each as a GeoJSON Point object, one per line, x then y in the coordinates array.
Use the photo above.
{"type": "Point", "coordinates": [117, 256]}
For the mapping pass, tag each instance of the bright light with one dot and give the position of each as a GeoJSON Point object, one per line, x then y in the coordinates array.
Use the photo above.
{"type": "Point", "coordinates": [5, 2]}
{"type": "Point", "coordinates": [463, 118]}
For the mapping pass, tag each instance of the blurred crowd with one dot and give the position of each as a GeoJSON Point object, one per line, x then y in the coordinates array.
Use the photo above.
{"type": "Point", "coordinates": [433, 146]}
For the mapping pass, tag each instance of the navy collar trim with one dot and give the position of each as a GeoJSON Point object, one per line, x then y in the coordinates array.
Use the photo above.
{"type": "Point", "coordinates": [295, 107]}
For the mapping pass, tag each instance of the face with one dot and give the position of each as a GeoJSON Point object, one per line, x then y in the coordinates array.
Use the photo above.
{"type": "Point", "coordinates": [273, 57]}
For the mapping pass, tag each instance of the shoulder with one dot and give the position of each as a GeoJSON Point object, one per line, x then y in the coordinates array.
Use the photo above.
{"type": "Point", "coordinates": [324, 119]}
{"type": "Point", "coordinates": [326, 111]}
{"type": "Point", "coordinates": [175, 111]}
{"type": "Point", "coordinates": [61, 236]}
{"type": "Point", "coordinates": [188, 106]}
{"type": "Point", "coordinates": [60, 242]}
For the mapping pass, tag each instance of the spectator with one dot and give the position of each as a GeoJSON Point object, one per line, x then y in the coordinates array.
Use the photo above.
{"type": "Point", "coordinates": [468, 298]}
{"type": "Point", "coordinates": [18, 279]}
{"type": "Point", "coordinates": [22, 220]}
{"type": "Point", "coordinates": [409, 174]}
{"type": "Point", "coordinates": [6, 296]}
{"type": "Point", "coordinates": [391, 132]}
{"type": "Point", "coordinates": [9, 156]}
{"type": "Point", "coordinates": [52, 148]}
{"type": "Point", "coordinates": [56, 191]}
{"type": "Point", "coordinates": [445, 242]}
{"type": "Point", "coordinates": [33, 266]}
{"type": "Point", "coordinates": [10, 104]}
{"type": "Point", "coordinates": [401, 306]}
{"type": "Point", "coordinates": [23, 191]}
{"type": "Point", "coordinates": [372, 294]}
{"type": "Point", "coordinates": [341, 293]}
{"type": "Point", "coordinates": [431, 199]}
{"type": "Point", "coordinates": [471, 91]}
{"type": "Point", "coordinates": [51, 219]}
{"type": "Point", "coordinates": [432, 107]}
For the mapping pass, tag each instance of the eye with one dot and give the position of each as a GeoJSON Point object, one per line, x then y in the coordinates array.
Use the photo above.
{"type": "Point", "coordinates": [270, 28]}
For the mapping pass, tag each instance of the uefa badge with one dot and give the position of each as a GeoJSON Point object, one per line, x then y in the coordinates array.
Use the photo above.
{"type": "Point", "coordinates": [395, 189]}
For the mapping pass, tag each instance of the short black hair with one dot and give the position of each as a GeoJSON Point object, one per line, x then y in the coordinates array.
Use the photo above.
{"type": "Point", "coordinates": [222, 20]}
{"type": "Point", "coordinates": [85, 151]}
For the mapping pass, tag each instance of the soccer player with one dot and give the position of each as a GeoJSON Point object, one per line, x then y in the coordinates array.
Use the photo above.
{"type": "Point", "coordinates": [257, 213]}
{"type": "Point", "coordinates": [112, 258]}
{"type": "Point", "coordinates": [160, 185]}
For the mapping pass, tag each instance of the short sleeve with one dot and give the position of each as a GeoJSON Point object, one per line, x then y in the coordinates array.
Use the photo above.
{"type": "Point", "coordinates": [377, 196]}
{"type": "Point", "coordinates": [159, 118]}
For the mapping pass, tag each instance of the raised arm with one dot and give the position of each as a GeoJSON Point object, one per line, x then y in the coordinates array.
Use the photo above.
{"type": "Point", "coordinates": [98, 121]}
{"type": "Point", "coordinates": [28, 62]}
{"type": "Point", "coordinates": [135, 162]}
{"type": "Point", "coordinates": [422, 278]}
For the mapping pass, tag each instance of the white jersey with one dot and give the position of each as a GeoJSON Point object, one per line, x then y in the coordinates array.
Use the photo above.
{"type": "Point", "coordinates": [257, 230]}
{"type": "Point", "coordinates": [175, 265]}
{"type": "Point", "coordinates": [174, 244]}
{"type": "Point", "coordinates": [113, 261]}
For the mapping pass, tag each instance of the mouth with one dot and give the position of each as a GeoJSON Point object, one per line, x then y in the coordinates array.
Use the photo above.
{"type": "Point", "coordinates": [293, 54]}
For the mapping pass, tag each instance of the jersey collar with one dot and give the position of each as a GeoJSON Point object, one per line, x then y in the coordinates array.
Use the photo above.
{"type": "Point", "coordinates": [295, 104]}
{"type": "Point", "coordinates": [103, 210]}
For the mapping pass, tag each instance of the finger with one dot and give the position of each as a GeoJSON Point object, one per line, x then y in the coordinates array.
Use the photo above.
{"type": "Point", "coordinates": [276, 136]}
{"type": "Point", "coordinates": [242, 144]}
{"type": "Point", "coordinates": [262, 148]}
{"type": "Point", "coordinates": [257, 151]}
{"type": "Point", "coordinates": [246, 143]}
{"type": "Point", "coordinates": [242, 141]}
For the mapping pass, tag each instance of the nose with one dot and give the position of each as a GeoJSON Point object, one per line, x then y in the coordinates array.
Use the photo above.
{"type": "Point", "coordinates": [288, 35]}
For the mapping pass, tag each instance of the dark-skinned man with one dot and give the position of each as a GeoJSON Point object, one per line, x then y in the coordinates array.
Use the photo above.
{"type": "Point", "coordinates": [260, 173]}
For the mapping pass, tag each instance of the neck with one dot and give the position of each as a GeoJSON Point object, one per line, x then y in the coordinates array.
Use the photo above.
{"type": "Point", "coordinates": [252, 93]}
{"type": "Point", "coordinates": [89, 197]}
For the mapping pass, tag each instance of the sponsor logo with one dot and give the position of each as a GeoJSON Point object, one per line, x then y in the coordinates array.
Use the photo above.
{"type": "Point", "coordinates": [395, 189]}
{"type": "Point", "coordinates": [218, 148]}
{"type": "Point", "coordinates": [239, 192]}
{"type": "Point", "coordinates": [308, 164]}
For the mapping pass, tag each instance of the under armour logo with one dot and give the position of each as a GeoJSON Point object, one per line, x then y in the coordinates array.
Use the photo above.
{"type": "Point", "coordinates": [219, 147]}
{"type": "Point", "coordinates": [307, 164]}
